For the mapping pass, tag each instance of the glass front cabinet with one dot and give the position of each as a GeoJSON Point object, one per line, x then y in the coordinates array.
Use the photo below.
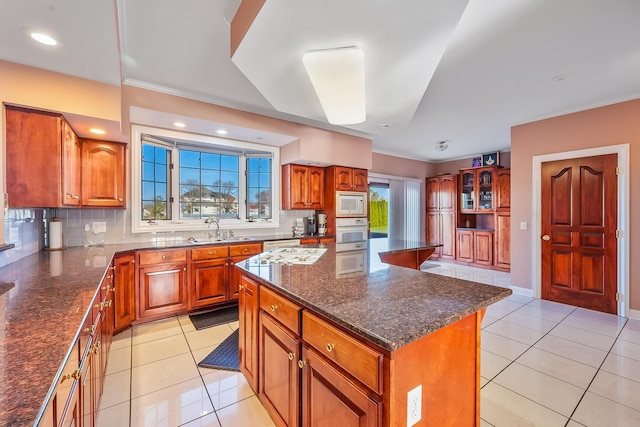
{"type": "Point", "coordinates": [477, 190]}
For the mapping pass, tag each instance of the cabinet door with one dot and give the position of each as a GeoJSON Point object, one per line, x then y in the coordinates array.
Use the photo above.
{"type": "Point", "coordinates": [360, 180]}
{"type": "Point", "coordinates": [448, 235]}
{"type": "Point", "coordinates": [433, 231]}
{"type": "Point", "coordinates": [71, 166]}
{"type": "Point", "coordinates": [344, 178]}
{"type": "Point", "coordinates": [103, 169]}
{"type": "Point", "coordinates": [316, 188]}
{"type": "Point", "coordinates": [503, 190]}
{"type": "Point", "coordinates": [209, 282]}
{"type": "Point", "coordinates": [447, 192]}
{"type": "Point", "coordinates": [124, 295]}
{"type": "Point", "coordinates": [433, 195]}
{"type": "Point", "coordinates": [33, 147]}
{"type": "Point", "coordinates": [248, 331]}
{"type": "Point", "coordinates": [464, 248]}
{"type": "Point", "coordinates": [163, 289]}
{"type": "Point", "coordinates": [295, 186]}
{"type": "Point", "coordinates": [279, 374]}
{"type": "Point", "coordinates": [468, 191]}
{"type": "Point", "coordinates": [485, 192]}
{"type": "Point", "coordinates": [329, 398]}
{"type": "Point", "coordinates": [483, 242]}
{"type": "Point", "coordinates": [503, 240]}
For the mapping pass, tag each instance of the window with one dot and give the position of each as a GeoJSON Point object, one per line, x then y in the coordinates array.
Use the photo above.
{"type": "Point", "coordinates": [184, 179]}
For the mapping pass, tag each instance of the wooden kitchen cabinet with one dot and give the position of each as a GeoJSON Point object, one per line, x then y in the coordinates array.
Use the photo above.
{"type": "Point", "coordinates": [42, 160]}
{"type": "Point", "coordinates": [348, 179]}
{"type": "Point", "coordinates": [162, 283]}
{"type": "Point", "coordinates": [475, 246]}
{"type": "Point", "coordinates": [441, 214]}
{"type": "Point", "coordinates": [279, 373]}
{"type": "Point", "coordinates": [239, 253]}
{"type": "Point", "coordinates": [124, 299]}
{"type": "Point", "coordinates": [502, 220]}
{"type": "Point", "coordinates": [209, 275]}
{"type": "Point", "coordinates": [503, 190]}
{"type": "Point", "coordinates": [477, 191]}
{"type": "Point", "coordinates": [248, 307]}
{"type": "Point", "coordinates": [302, 187]}
{"type": "Point", "coordinates": [103, 172]}
{"type": "Point", "coordinates": [330, 398]}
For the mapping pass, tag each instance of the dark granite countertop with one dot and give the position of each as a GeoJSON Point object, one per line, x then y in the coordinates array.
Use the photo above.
{"type": "Point", "coordinates": [47, 296]}
{"type": "Point", "coordinates": [387, 305]}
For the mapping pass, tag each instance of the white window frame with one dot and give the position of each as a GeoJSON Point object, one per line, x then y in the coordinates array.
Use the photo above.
{"type": "Point", "coordinates": [138, 225]}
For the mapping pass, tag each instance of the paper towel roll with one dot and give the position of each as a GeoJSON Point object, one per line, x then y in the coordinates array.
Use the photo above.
{"type": "Point", "coordinates": [55, 234]}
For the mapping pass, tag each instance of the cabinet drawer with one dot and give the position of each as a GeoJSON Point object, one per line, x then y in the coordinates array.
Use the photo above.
{"type": "Point", "coordinates": [160, 257]}
{"type": "Point", "coordinates": [248, 249]}
{"type": "Point", "coordinates": [364, 363]}
{"type": "Point", "coordinates": [209, 253]}
{"type": "Point", "coordinates": [280, 308]}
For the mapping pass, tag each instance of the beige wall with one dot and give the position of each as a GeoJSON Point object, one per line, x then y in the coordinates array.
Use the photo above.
{"type": "Point", "coordinates": [455, 165]}
{"type": "Point", "coordinates": [610, 125]}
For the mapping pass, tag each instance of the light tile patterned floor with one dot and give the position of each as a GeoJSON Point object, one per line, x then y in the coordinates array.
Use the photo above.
{"type": "Point", "coordinates": [543, 364]}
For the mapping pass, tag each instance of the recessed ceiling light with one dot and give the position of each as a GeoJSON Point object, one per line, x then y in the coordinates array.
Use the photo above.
{"type": "Point", "coordinates": [384, 125]}
{"type": "Point", "coordinates": [221, 132]}
{"type": "Point", "coordinates": [44, 39]}
{"type": "Point", "coordinates": [560, 77]}
{"type": "Point", "coordinates": [258, 138]}
{"type": "Point", "coordinates": [180, 125]}
{"type": "Point", "coordinates": [98, 131]}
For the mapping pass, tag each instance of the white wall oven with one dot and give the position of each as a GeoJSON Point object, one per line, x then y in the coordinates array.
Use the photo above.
{"type": "Point", "coordinates": [351, 234]}
{"type": "Point", "coordinates": [351, 204]}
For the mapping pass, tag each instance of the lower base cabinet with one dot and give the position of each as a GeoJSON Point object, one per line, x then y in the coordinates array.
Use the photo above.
{"type": "Point", "coordinates": [475, 247]}
{"type": "Point", "coordinates": [248, 331]}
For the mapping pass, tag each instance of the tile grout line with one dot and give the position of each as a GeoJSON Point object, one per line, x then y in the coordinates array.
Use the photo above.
{"type": "Point", "coordinates": [597, 372]}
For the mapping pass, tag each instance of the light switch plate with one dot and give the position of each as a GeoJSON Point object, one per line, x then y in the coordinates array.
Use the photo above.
{"type": "Point", "coordinates": [523, 225]}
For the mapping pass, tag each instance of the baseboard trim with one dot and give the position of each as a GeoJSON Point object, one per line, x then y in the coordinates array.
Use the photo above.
{"type": "Point", "coordinates": [522, 291]}
{"type": "Point", "coordinates": [634, 314]}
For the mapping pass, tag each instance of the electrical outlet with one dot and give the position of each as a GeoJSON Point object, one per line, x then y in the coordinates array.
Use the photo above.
{"type": "Point", "coordinates": [414, 406]}
{"type": "Point", "coordinates": [99, 227]}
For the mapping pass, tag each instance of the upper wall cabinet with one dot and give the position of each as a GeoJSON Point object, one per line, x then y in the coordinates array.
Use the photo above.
{"type": "Point", "coordinates": [348, 179]}
{"type": "Point", "coordinates": [48, 166]}
{"type": "Point", "coordinates": [302, 187]}
{"type": "Point", "coordinates": [477, 190]}
{"type": "Point", "coordinates": [103, 166]}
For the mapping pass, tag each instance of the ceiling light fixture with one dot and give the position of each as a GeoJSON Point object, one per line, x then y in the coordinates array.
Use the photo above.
{"type": "Point", "coordinates": [97, 131]}
{"type": "Point", "coordinates": [441, 146]}
{"type": "Point", "coordinates": [221, 132]}
{"type": "Point", "coordinates": [337, 76]}
{"type": "Point", "coordinates": [44, 39]}
{"type": "Point", "coordinates": [180, 124]}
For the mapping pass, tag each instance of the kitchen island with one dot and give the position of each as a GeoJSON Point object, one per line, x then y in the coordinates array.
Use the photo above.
{"type": "Point", "coordinates": [382, 347]}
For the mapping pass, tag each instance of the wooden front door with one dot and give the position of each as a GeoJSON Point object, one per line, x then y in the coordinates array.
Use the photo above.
{"type": "Point", "coordinates": [579, 221]}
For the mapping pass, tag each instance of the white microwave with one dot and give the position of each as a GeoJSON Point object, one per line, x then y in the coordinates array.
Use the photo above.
{"type": "Point", "coordinates": [351, 203]}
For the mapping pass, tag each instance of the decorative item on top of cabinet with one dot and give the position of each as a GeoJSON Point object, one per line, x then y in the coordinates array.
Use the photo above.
{"type": "Point", "coordinates": [302, 187]}
{"type": "Point", "coordinates": [38, 142]}
{"type": "Point", "coordinates": [342, 178]}
{"type": "Point", "coordinates": [103, 171]}
{"type": "Point", "coordinates": [162, 283]}
{"type": "Point", "coordinates": [441, 214]}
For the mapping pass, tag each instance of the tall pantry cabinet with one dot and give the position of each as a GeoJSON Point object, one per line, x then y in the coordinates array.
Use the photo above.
{"type": "Point", "coordinates": [441, 214]}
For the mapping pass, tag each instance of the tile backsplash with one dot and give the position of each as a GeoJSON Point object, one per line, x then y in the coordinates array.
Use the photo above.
{"type": "Point", "coordinates": [25, 229]}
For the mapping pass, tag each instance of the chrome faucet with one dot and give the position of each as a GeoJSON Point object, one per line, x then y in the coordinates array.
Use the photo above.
{"type": "Point", "coordinates": [210, 220]}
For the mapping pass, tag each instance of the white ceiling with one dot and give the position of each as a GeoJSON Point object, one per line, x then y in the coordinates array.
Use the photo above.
{"type": "Point", "coordinates": [494, 67]}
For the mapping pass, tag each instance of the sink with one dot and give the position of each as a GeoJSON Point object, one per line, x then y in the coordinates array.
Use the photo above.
{"type": "Point", "coordinates": [236, 239]}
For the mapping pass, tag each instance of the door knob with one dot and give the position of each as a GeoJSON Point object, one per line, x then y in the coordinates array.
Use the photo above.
{"type": "Point", "coordinates": [546, 238]}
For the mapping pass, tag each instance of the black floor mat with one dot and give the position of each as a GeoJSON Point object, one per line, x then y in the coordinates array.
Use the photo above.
{"type": "Point", "coordinates": [224, 356]}
{"type": "Point", "coordinates": [214, 318]}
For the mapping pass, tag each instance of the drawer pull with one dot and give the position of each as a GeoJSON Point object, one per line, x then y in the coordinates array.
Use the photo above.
{"type": "Point", "coordinates": [184, 268]}
{"type": "Point", "coordinates": [112, 268]}
{"type": "Point", "coordinates": [301, 363]}
{"type": "Point", "coordinates": [292, 356]}
{"type": "Point", "coordinates": [75, 375]}
{"type": "Point", "coordinates": [90, 330]}
{"type": "Point", "coordinates": [164, 257]}
{"type": "Point", "coordinates": [210, 252]}
{"type": "Point", "coordinates": [108, 303]}
{"type": "Point", "coordinates": [274, 307]}
{"type": "Point", "coordinates": [240, 287]}
{"type": "Point", "coordinates": [330, 347]}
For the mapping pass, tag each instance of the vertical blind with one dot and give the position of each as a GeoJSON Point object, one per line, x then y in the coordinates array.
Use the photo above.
{"type": "Point", "coordinates": [404, 209]}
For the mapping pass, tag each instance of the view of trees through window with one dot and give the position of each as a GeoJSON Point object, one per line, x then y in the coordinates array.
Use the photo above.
{"type": "Point", "coordinates": [155, 182]}
{"type": "Point", "coordinates": [379, 210]}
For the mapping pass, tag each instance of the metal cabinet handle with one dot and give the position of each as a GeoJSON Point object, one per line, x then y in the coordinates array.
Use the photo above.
{"type": "Point", "coordinates": [292, 356]}
{"type": "Point", "coordinates": [75, 375]}
{"type": "Point", "coordinates": [301, 363]}
{"type": "Point", "coordinates": [274, 307]}
{"type": "Point", "coordinates": [330, 347]}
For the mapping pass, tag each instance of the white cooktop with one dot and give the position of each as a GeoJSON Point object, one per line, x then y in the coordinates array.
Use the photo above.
{"type": "Point", "coordinates": [292, 255]}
